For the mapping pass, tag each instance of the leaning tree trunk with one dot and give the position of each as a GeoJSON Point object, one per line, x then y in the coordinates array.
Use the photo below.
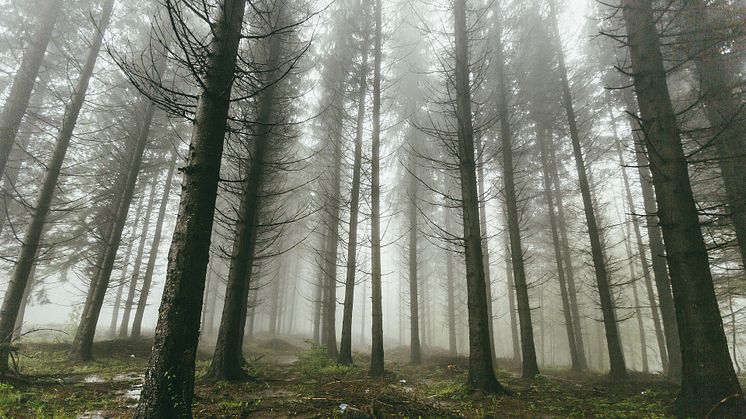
{"type": "Point", "coordinates": [169, 380]}
{"type": "Point", "coordinates": [125, 269]}
{"type": "Point", "coordinates": [636, 300]}
{"type": "Point", "coordinates": [153, 256]}
{"type": "Point", "coordinates": [528, 349]}
{"type": "Point", "coordinates": [641, 254]}
{"type": "Point", "coordinates": [32, 238]}
{"type": "Point", "coordinates": [83, 342]}
{"type": "Point", "coordinates": [566, 310]}
{"type": "Point", "coordinates": [657, 250]}
{"type": "Point", "coordinates": [613, 339]}
{"type": "Point", "coordinates": [567, 257]}
{"type": "Point", "coordinates": [24, 80]}
{"type": "Point", "coordinates": [8, 206]}
{"type": "Point", "coordinates": [481, 372]}
{"type": "Point", "coordinates": [345, 345]}
{"type": "Point", "coordinates": [376, 355]}
{"type": "Point", "coordinates": [228, 361]}
{"type": "Point", "coordinates": [135, 277]}
{"type": "Point", "coordinates": [722, 108]}
{"type": "Point", "coordinates": [708, 378]}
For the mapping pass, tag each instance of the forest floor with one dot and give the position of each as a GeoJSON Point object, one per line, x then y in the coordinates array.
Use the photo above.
{"type": "Point", "coordinates": [298, 380]}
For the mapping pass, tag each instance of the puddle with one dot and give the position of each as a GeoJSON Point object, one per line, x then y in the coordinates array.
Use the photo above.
{"type": "Point", "coordinates": [94, 379]}
{"type": "Point", "coordinates": [92, 415]}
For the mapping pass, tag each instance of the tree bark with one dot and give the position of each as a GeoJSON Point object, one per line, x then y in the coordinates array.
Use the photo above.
{"type": "Point", "coordinates": [613, 340]}
{"type": "Point", "coordinates": [345, 345]}
{"type": "Point", "coordinates": [481, 373]}
{"type": "Point", "coordinates": [24, 80]}
{"type": "Point", "coordinates": [154, 246]}
{"type": "Point", "coordinates": [376, 355]}
{"type": "Point", "coordinates": [32, 237]}
{"type": "Point", "coordinates": [708, 376]}
{"type": "Point", "coordinates": [450, 289]}
{"type": "Point", "coordinates": [485, 246]}
{"type": "Point", "coordinates": [169, 380]}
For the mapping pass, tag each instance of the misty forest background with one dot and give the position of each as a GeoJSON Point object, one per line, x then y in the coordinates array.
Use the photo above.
{"type": "Point", "coordinates": [336, 192]}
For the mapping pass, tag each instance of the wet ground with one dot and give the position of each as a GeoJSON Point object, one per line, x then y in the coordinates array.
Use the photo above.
{"type": "Point", "coordinates": [296, 380]}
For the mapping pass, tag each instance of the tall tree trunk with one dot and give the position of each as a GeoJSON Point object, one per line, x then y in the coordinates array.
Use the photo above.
{"type": "Point", "coordinates": [485, 245]}
{"type": "Point", "coordinates": [376, 355]}
{"type": "Point", "coordinates": [657, 250]}
{"type": "Point", "coordinates": [567, 257]}
{"type": "Point", "coordinates": [415, 352]}
{"type": "Point", "coordinates": [450, 289]}
{"type": "Point", "coordinates": [318, 301]}
{"type": "Point", "coordinates": [205, 326]}
{"type": "Point", "coordinates": [32, 237]}
{"type": "Point", "coordinates": [135, 277]}
{"type": "Point", "coordinates": [708, 376]}
{"type": "Point", "coordinates": [510, 292]}
{"type": "Point", "coordinates": [169, 380]}
{"type": "Point", "coordinates": [125, 269]}
{"type": "Point", "coordinates": [345, 345]}
{"type": "Point", "coordinates": [481, 372]}
{"type": "Point", "coordinates": [641, 254]}
{"type": "Point", "coordinates": [18, 327]}
{"type": "Point", "coordinates": [83, 341]}
{"type": "Point", "coordinates": [722, 108]}
{"type": "Point", "coordinates": [614, 344]}
{"type": "Point", "coordinates": [24, 80]}
{"type": "Point", "coordinates": [228, 361]}
{"type": "Point", "coordinates": [528, 349]}
{"type": "Point", "coordinates": [19, 155]}
{"type": "Point", "coordinates": [154, 247]}
{"type": "Point", "coordinates": [566, 310]}
{"type": "Point", "coordinates": [636, 298]}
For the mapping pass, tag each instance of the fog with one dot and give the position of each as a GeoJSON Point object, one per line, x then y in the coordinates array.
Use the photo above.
{"type": "Point", "coordinates": [538, 188]}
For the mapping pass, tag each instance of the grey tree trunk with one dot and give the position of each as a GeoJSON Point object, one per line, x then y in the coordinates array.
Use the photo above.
{"type": "Point", "coordinates": [125, 269]}
{"type": "Point", "coordinates": [485, 246]}
{"type": "Point", "coordinates": [708, 376]}
{"type": "Point", "coordinates": [135, 277]}
{"type": "Point", "coordinates": [450, 290]}
{"type": "Point", "coordinates": [142, 301]}
{"type": "Point", "coordinates": [228, 361]}
{"type": "Point", "coordinates": [657, 250]}
{"type": "Point", "coordinates": [32, 237]}
{"type": "Point", "coordinates": [376, 355]}
{"type": "Point", "coordinates": [528, 349]}
{"type": "Point", "coordinates": [613, 339]}
{"type": "Point", "coordinates": [510, 292]}
{"type": "Point", "coordinates": [415, 352]}
{"type": "Point", "coordinates": [83, 342]}
{"type": "Point", "coordinates": [169, 380]}
{"type": "Point", "coordinates": [566, 310]}
{"type": "Point", "coordinates": [24, 80]}
{"type": "Point", "coordinates": [481, 373]}
{"type": "Point", "coordinates": [663, 350]}
{"type": "Point", "coordinates": [345, 345]}
{"type": "Point", "coordinates": [722, 107]}
{"type": "Point", "coordinates": [567, 257]}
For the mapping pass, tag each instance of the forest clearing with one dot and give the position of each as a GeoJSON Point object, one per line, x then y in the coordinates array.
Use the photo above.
{"type": "Point", "coordinates": [372, 208]}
